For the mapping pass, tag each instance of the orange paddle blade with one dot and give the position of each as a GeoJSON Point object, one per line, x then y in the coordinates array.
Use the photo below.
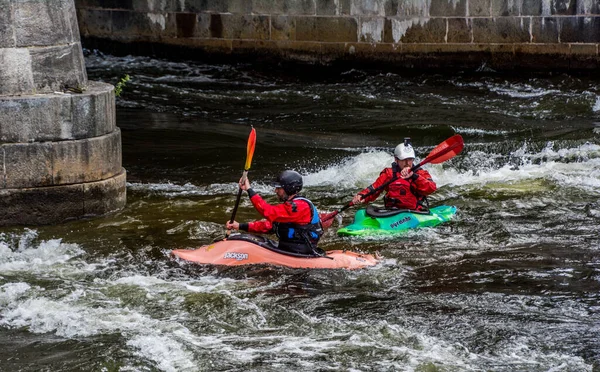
{"type": "Point", "coordinates": [445, 150]}
{"type": "Point", "coordinates": [250, 148]}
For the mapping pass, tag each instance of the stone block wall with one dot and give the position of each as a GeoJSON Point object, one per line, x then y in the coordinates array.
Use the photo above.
{"type": "Point", "coordinates": [543, 34]}
{"type": "Point", "coordinates": [60, 151]}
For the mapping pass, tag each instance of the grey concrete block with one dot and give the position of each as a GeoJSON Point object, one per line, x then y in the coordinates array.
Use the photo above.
{"type": "Point", "coordinates": [533, 7]}
{"type": "Point", "coordinates": [545, 30]}
{"type": "Point", "coordinates": [59, 66]}
{"type": "Point", "coordinates": [424, 30]}
{"type": "Point", "coordinates": [568, 7]}
{"type": "Point", "coordinates": [392, 8]}
{"type": "Point", "coordinates": [501, 30]}
{"type": "Point", "coordinates": [16, 76]}
{"type": "Point", "coordinates": [522, 8]}
{"type": "Point", "coordinates": [2, 168]}
{"type": "Point", "coordinates": [28, 165]}
{"type": "Point", "coordinates": [95, 22]}
{"type": "Point", "coordinates": [327, 29]}
{"type": "Point", "coordinates": [93, 112]}
{"type": "Point", "coordinates": [445, 8]}
{"type": "Point", "coordinates": [31, 118]}
{"type": "Point", "coordinates": [71, 14]}
{"type": "Point", "coordinates": [204, 25]}
{"type": "Point", "coordinates": [50, 205]}
{"type": "Point", "coordinates": [480, 8]}
{"type": "Point", "coordinates": [43, 23]}
{"type": "Point", "coordinates": [299, 7]}
{"type": "Point", "coordinates": [296, 7]}
{"type": "Point", "coordinates": [41, 206]}
{"type": "Point", "coordinates": [580, 29]}
{"type": "Point", "coordinates": [187, 24]}
{"type": "Point", "coordinates": [267, 7]}
{"type": "Point", "coordinates": [371, 29]}
{"type": "Point", "coordinates": [368, 7]}
{"type": "Point", "coordinates": [7, 29]}
{"type": "Point", "coordinates": [235, 26]}
{"type": "Point", "coordinates": [106, 4]}
{"type": "Point", "coordinates": [459, 30]}
{"type": "Point", "coordinates": [154, 6]}
{"type": "Point", "coordinates": [87, 160]}
{"type": "Point", "coordinates": [57, 117]}
{"type": "Point", "coordinates": [327, 7]}
{"type": "Point", "coordinates": [415, 30]}
{"type": "Point", "coordinates": [219, 6]}
{"type": "Point", "coordinates": [105, 196]}
{"type": "Point", "coordinates": [57, 163]}
{"type": "Point", "coordinates": [127, 24]}
{"type": "Point", "coordinates": [413, 8]}
{"type": "Point", "coordinates": [283, 28]}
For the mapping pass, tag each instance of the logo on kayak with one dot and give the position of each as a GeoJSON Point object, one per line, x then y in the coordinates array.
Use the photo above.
{"type": "Point", "coordinates": [236, 256]}
{"type": "Point", "coordinates": [400, 222]}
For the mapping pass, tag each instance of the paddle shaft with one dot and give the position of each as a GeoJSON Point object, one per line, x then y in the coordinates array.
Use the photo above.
{"type": "Point", "coordinates": [335, 213]}
{"type": "Point", "coordinates": [237, 201]}
{"type": "Point", "coordinates": [249, 155]}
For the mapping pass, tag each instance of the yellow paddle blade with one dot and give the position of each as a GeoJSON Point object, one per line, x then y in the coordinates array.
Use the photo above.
{"type": "Point", "coordinates": [250, 148]}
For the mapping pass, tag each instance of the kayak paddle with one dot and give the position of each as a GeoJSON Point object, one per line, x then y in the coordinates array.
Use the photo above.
{"type": "Point", "coordinates": [442, 152]}
{"type": "Point", "coordinates": [249, 154]}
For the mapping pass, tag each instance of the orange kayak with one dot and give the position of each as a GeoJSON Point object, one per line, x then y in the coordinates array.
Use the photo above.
{"type": "Point", "coordinates": [248, 249]}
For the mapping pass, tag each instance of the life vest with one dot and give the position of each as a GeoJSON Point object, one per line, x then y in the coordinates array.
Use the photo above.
{"type": "Point", "coordinates": [402, 194]}
{"type": "Point", "coordinates": [300, 236]}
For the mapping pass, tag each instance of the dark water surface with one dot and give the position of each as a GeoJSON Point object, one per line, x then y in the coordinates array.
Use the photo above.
{"type": "Point", "coordinates": [512, 284]}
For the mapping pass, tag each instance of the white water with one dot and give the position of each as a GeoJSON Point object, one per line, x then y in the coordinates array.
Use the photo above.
{"type": "Point", "coordinates": [577, 167]}
{"type": "Point", "coordinates": [124, 304]}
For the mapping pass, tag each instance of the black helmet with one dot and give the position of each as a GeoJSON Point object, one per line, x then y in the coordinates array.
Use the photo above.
{"type": "Point", "coordinates": [290, 181]}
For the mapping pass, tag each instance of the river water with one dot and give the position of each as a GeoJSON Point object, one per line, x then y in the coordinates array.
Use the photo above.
{"type": "Point", "coordinates": [512, 284]}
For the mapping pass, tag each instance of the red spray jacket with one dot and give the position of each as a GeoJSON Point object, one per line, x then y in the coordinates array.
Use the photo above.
{"type": "Point", "coordinates": [403, 194]}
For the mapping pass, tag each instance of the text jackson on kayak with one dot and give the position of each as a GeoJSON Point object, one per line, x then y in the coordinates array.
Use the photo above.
{"type": "Point", "coordinates": [409, 190]}
{"type": "Point", "coordinates": [295, 221]}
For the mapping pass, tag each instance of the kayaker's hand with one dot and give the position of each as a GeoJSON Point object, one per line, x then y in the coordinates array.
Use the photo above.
{"type": "Point", "coordinates": [232, 225]}
{"type": "Point", "coordinates": [244, 183]}
{"type": "Point", "coordinates": [357, 199]}
{"type": "Point", "coordinates": [406, 173]}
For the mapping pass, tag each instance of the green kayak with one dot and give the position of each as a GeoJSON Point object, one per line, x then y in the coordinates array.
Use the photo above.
{"type": "Point", "coordinates": [377, 221]}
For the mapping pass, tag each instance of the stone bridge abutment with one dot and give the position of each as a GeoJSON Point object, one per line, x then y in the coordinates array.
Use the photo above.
{"type": "Point", "coordinates": [60, 149]}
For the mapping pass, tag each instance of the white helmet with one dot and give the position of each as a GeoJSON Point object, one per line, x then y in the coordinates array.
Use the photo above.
{"type": "Point", "coordinates": [404, 150]}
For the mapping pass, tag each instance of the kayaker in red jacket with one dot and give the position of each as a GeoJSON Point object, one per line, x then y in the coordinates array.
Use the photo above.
{"type": "Point", "coordinates": [409, 190]}
{"type": "Point", "coordinates": [295, 221]}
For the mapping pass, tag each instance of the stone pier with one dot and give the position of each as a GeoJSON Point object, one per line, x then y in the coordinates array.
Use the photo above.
{"type": "Point", "coordinates": [60, 150]}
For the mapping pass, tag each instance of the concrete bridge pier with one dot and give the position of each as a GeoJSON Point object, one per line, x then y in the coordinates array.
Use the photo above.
{"type": "Point", "coordinates": [60, 150]}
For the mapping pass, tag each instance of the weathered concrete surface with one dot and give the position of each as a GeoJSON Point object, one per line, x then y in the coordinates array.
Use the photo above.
{"type": "Point", "coordinates": [508, 34]}
{"type": "Point", "coordinates": [49, 205]}
{"type": "Point", "coordinates": [60, 152]}
{"type": "Point", "coordinates": [40, 48]}
{"type": "Point", "coordinates": [40, 164]}
{"type": "Point", "coordinates": [59, 116]}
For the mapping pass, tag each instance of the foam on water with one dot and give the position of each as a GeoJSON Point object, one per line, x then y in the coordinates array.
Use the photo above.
{"type": "Point", "coordinates": [36, 259]}
{"type": "Point", "coordinates": [70, 310]}
{"type": "Point", "coordinates": [596, 106]}
{"type": "Point", "coordinates": [73, 312]}
{"type": "Point", "coordinates": [523, 91]}
{"type": "Point", "coordinates": [574, 167]}
{"type": "Point", "coordinates": [355, 171]}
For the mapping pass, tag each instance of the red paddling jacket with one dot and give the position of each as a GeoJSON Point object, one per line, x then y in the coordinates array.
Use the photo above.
{"type": "Point", "coordinates": [296, 222]}
{"type": "Point", "coordinates": [402, 194]}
